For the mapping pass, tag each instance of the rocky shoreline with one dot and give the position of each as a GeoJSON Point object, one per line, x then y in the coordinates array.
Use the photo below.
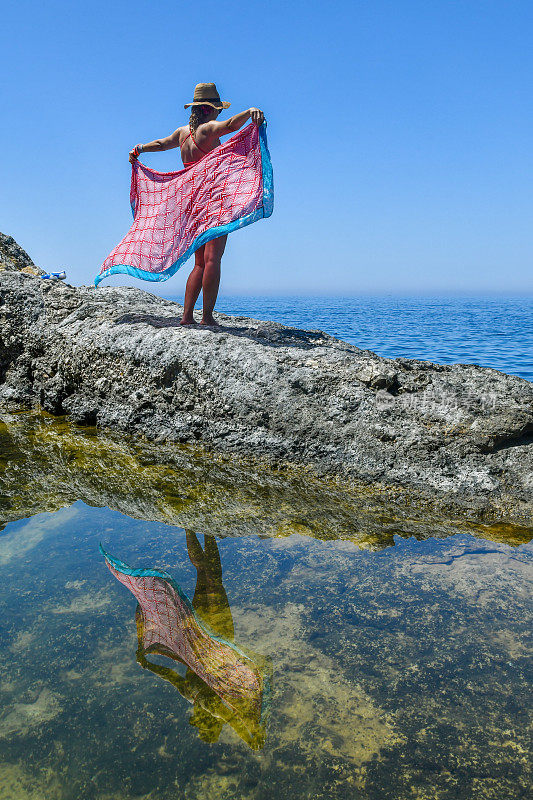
{"type": "Point", "coordinates": [458, 437]}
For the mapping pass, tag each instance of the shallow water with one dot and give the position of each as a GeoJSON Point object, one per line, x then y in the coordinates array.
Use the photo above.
{"type": "Point", "coordinates": [492, 331]}
{"type": "Point", "coordinates": [315, 664]}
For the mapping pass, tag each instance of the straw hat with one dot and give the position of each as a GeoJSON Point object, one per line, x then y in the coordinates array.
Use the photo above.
{"type": "Point", "coordinates": [205, 94]}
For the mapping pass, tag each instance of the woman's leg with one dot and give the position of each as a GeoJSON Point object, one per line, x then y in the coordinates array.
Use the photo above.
{"type": "Point", "coordinates": [213, 252]}
{"type": "Point", "coordinates": [194, 285]}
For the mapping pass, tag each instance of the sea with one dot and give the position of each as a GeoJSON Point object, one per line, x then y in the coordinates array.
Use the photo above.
{"type": "Point", "coordinates": [179, 625]}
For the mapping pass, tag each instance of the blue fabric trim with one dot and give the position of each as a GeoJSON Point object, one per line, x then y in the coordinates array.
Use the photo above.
{"type": "Point", "coordinates": [267, 173]}
{"type": "Point", "coordinates": [264, 211]}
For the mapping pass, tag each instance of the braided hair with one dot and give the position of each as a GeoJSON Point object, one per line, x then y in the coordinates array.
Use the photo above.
{"type": "Point", "coordinates": [198, 115]}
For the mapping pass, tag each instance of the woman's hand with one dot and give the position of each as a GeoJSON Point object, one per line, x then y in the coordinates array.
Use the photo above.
{"type": "Point", "coordinates": [134, 154]}
{"type": "Point", "coordinates": [257, 116]}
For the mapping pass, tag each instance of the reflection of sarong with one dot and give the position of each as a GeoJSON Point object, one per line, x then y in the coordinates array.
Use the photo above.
{"type": "Point", "coordinates": [167, 624]}
{"type": "Point", "coordinates": [175, 213]}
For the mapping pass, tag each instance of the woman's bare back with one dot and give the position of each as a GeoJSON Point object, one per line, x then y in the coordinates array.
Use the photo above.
{"type": "Point", "coordinates": [195, 145]}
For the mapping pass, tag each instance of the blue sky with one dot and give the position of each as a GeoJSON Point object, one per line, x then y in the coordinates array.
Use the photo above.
{"type": "Point", "coordinates": [400, 134]}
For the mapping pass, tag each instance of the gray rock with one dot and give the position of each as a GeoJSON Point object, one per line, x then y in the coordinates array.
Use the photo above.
{"type": "Point", "coordinates": [14, 258]}
{"type": "Point", "coordinates": [458, 437]}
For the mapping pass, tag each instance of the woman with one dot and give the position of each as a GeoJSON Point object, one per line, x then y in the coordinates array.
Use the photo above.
{"type": "Point", "coordinates": [195, 140]}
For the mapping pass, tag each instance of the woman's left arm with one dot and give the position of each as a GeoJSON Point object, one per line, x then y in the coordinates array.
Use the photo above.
{"type": "Point", "coordinates": [156, 146]}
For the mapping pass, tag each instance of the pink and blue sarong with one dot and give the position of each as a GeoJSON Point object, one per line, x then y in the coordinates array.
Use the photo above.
{"type": "Point", "coordinates": [175, 213]}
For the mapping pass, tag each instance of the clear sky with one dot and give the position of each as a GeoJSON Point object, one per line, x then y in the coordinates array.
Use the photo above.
{"type": "Point", "coordinates": [400, 135]}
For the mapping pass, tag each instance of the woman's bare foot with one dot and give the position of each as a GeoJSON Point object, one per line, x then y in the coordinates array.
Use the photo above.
{"type": "Point", "coordinates": [208, 320]}
{"type": "Point", "coordinates": [188, 321]}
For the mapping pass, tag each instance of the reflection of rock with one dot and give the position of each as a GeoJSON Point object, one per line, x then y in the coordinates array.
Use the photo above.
{"type": "Point", "coordinates": [47, 463]}
{"type": "Point", "coordinates": [459, 435]}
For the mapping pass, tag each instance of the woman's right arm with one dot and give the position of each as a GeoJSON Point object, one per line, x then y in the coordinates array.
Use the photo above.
{"type": "Point", "coordinates": [234, 123]}
{"type": "Point", "coordinates": [156, 146]}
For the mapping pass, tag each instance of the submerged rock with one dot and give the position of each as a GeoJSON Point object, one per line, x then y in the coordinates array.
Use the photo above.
{"type": "Point", "coordinates": [459, 437]}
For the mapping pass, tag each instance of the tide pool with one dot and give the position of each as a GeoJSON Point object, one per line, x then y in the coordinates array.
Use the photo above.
{"type": "Point", "coordinates": [286, 646]}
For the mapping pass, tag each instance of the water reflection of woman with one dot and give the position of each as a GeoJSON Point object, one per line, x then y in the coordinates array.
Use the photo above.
{"type": "Point", "coordinates": [223, 682]}
{"type": "Point", "coordinates": [210, 600]}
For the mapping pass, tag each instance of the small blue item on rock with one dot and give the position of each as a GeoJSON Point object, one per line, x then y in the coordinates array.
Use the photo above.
{"type": "Point", "coordinates": [55, 275]}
